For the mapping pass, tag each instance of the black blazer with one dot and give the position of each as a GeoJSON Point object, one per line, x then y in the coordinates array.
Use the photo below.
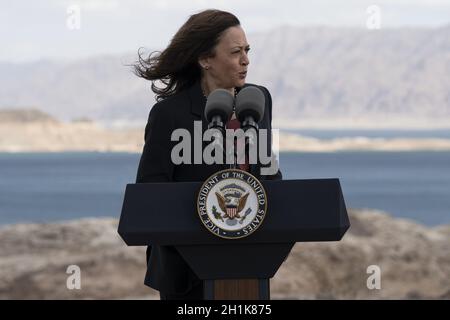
{"type": "Point", "coordinates": [166, 270]}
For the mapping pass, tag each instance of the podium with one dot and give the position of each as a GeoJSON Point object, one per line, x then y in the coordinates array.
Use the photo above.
{"type": "Point", "coordinates": [238, 269]}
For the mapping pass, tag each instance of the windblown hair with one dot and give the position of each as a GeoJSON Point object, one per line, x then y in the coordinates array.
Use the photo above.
{"type": "Point", "coordinates": [177, 66]}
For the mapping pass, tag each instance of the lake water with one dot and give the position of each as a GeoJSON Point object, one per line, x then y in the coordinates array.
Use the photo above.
{"type": "Point", "coordinates": [47, 187]}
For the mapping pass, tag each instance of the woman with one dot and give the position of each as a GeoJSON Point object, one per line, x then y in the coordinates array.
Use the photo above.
{"type": "Point", "coordinates": [208, 52]}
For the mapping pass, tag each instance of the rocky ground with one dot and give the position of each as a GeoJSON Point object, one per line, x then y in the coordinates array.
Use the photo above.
{"type": "Point", "coordinates": [414, 261]}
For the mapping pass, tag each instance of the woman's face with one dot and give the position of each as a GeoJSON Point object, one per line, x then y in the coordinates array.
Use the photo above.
{"type": "Point", "coordinates": [228, 67]}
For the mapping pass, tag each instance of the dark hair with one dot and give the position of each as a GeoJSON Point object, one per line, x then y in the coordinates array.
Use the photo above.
{"type": "Point", "coordinates": [177, 66]}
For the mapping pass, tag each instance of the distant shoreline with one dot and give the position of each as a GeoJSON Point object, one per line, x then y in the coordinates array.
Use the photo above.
{"type": "Point", "coordinates": [51, 136]}
{"type": "Point", "coordinates": [354, 123]}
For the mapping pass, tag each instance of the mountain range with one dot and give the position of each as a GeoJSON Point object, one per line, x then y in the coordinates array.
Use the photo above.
{"type": "Point", "coordinates": [313, 73]}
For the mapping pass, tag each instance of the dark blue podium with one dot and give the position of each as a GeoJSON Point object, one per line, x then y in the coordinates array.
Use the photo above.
{"type": "Point", "coordinates": [298, 211]}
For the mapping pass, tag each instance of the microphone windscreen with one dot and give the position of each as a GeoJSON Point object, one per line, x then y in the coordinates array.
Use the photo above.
{"type": "Point", "coordinates": [250, 101]}
{"type": "Point", "coordinates": [219, 103]}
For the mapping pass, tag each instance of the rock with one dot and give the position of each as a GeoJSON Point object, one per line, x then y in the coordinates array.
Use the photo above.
{"type": "Point", "coordinates": [414, 262]}
{"type": "Point", "coordinates": [25, 116]}
{"type": "Point", "coordinates": [44, 136]}
{"type": "Point", "coordinates": [34, 259]}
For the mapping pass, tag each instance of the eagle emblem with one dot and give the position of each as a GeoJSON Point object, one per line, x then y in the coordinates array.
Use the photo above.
{"type": "Point", "coordinates": [232, 203]}
{"type": "Point", "coordinates": [232, 206]}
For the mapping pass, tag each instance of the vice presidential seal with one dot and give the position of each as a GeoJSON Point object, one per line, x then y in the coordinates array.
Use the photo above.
{"type": "Point", "coordinates": [232, 203]}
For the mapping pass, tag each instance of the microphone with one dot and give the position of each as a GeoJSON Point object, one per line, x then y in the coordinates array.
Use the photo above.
{"type": "Point", "coordinates": [250, 104]}
{"type": "Point", "coordinates": [219, 107]}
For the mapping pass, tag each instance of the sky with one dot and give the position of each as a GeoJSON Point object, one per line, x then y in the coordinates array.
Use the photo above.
{"type": "Point", "coordinates": [74, 29]}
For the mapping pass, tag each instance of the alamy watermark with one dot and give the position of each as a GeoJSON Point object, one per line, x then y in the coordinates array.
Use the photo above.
{"type": "Point", "coordinates": [373, 21]}
{"type": "Point", "coordinates": [374, 280]}
{"type": "Point", "coordinates": [73, 21]}
{"type": "Point", "coordinates": [240, 147]}
{"type": "Point", "coordinates": [74, 280]}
